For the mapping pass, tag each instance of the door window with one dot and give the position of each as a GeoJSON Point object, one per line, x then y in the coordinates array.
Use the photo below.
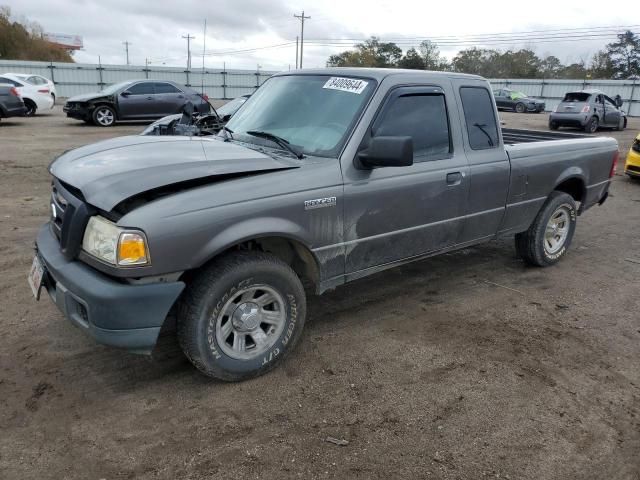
{"type": "Point", "coordinates": [10, 82]}
{"type": "Point", "coordinates": [423, 117]}
{"type": "Point", "coordinates": [163, 87]}
{"type": "Point", "coordinates": [143, 88]}
{"type": "Point", "coordinates": [480, 118]}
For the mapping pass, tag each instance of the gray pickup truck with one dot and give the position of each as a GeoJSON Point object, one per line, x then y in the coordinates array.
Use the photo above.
{"type": "Point", "coordinates": [322, 177]}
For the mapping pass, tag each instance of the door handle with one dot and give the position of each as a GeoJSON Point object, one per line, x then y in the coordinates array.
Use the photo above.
{"type": "Point", "coordinates": [454, 178]}
{"type": "Point", "coordinates": [149, 98]}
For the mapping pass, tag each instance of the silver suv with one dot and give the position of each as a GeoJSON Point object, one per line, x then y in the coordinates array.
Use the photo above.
{"type": "Point", "coordinates": [588, 109]}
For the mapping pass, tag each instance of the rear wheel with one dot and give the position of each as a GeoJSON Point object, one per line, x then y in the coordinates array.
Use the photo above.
{"type": "Point", "coordinates": [32, 108]}
{"type": "Point", "coordinates": [548, 238]}
{"type": "Point", "coordinates": [520, 108]}
{"type": "Point", "coordinates": [592, 125]}
{"type": "Point", "coordinates": [241, 316]}
{"type": "Point", "coordinates": [104, 116]}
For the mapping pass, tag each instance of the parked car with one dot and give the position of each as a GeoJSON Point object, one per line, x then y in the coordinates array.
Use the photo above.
{"type": "Point", "coordinates": [194, 123]}
{"type": "Point", "coordinates": [11, 105]}
{"type": "Point", "coordinates": [325, 176]}
{"type": "Point", "coordinates": [632, 165]}
{"type": "Point", "coordinates": [517, 101]}
{"type": "Point", "coordinates": [588, 110]}
{"type": "Point", "coordinates": [134, 100]}
{"type": "Point", "coordinates": [37, 92]}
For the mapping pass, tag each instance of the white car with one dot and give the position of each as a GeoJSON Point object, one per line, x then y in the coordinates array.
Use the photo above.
{"type": "Point", "coordinates": [37, 92]}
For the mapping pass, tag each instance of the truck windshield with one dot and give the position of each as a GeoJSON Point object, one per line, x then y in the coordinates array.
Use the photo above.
{"type": "Point", "coordinates": [314, 113]}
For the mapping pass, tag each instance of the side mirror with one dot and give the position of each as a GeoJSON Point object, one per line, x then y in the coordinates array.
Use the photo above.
{"type": "Point", "coordinates": [387, 152]}
{"type": "Point", "coordinates": [126, 93]}
{"type": "Point", "coordinates": [619, 101]}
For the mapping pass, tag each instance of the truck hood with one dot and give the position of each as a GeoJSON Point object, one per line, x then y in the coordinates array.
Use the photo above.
{"type": "Point", "coordinates": [115, 170]}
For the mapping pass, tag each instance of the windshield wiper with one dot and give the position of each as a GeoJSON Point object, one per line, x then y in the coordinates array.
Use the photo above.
{"type": "Point", "coordinates": [228, 133]}
{"type": "Point", "coordinates": [281, 142]}
{"type": "Point", "coordinates": [481, 127]}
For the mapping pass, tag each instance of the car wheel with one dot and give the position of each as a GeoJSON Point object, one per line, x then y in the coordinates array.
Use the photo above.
{"type": "Point", "coordinates": [553, 125]}
{"type": "Point", "coordinates": [620, 126]}
{"type": "Point", "coordinates": [241, 316]}
{"type": "Point", "coordinates": [32, 108]}
{"type": "Point", "coordinates": [548, 238]}
{"type": "Point", "coordinates": [520, 108]}
{"type": "Point", "coordinates": [104, 116]}
{"type": "Point", "coordinates": [592, 125]}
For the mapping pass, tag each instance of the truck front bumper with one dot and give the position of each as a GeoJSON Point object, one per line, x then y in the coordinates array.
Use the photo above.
{"type": "Point", "coordinates": [112, 312]}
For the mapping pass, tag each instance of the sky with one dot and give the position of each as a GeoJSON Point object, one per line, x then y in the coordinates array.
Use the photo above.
{"type": "Point", "coordinates": [261, 33]}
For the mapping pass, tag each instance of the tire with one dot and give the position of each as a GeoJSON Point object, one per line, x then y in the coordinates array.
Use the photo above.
{"type": "Point", "coordinates": [104, 116]}
{"type": "Point", "coordinates": [621, 125]}
{"type": "Point", "coordinates": [553, 125]}
{"type": "Point", "coordinates": [592, 125]}
{"type": "Point", "coordinates": [542, 245]}
{"type": "Point", "coordinates": [221, 315]}
{"type": "Point", "coordinates": [32, 108]}
{"type": "Point", "coordinates": [520, 108]}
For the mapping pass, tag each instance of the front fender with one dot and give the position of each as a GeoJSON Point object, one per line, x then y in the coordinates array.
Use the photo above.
{"type": "Point", "coordinates": [253, 229]}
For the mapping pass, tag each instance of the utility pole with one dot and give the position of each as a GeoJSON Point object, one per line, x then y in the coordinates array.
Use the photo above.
{"type": "Point", "coordinates": [302, 18]}
{"type": "Point", "coordinates": [189, 38]}
{"type": "Point", "coordinates": [297, 40]}
{"type": "Point", "coordinates": [126, 47]}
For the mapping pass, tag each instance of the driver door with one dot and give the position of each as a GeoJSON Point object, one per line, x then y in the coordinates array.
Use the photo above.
{"type": "Point", "coordinates": [138, 101]}
{"type": "Point", "coordinates": [395, 213]}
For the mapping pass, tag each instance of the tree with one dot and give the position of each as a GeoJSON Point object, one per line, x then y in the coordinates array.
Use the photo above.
{"type": "Point", "coordinates": [625, 55]}
{"type": "Point", "coordinates": [23, 41]}
{"type": "Point", "coordinates": [412, 59]}
{"type": "Point", "coordinates": [473, 60]}
{"type": "Point", "coordinates": [602, 66]}
{"type": "Point", "coordinates": [371, 53]}
{"type": "Point", "coordinates": [550, 67]}
{"type": "Point", "coordinates": [431, 56]}
{"type": "Point", "coordinates": [577, 71]}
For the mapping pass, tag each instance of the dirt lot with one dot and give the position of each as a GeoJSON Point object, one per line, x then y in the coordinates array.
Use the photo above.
{"type": "Point", "coordinates": [463, 366]}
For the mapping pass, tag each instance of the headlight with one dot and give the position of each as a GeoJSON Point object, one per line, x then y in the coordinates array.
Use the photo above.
{"type": "Point", "coordinates": [108, 242]}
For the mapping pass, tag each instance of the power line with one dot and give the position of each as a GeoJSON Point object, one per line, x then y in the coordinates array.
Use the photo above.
{"type": "Point", "coordinates": [302, 18]}
{"type": "Point", "coordinates": [188, 38]}
{"type": "Point", "coordinates": [126, 48]}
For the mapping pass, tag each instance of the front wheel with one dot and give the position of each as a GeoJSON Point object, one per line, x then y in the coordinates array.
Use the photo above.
{"type": "Point", "coordinates": [104, 116]}
{"type": "Point", "coordinates": [548, 238]}
{"type": "Point", "coordinates": [241, 316]}
{"type": "Point", "coordinates": [520, 108]}
{"type": "Point", "coordinates": [553, 125]}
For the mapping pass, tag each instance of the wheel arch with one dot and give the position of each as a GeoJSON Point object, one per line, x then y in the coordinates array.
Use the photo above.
{"type": "Point", "coordinates": [573, 183]}
{"type": "Point", "coordinates": [284, 242]}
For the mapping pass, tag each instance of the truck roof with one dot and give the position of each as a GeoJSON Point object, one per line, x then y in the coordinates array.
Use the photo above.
{"type": "Point", "coordinates": [377, 73]}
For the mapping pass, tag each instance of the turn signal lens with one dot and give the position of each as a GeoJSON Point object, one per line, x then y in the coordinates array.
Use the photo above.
{"type": "Point", "coordinates": [132, 249]}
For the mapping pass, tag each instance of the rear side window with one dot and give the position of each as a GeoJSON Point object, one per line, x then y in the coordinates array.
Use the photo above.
{"type": "Point", "coordinates": [421, 117]}
{"type": "Point", "coordinates": [144, 88]}
{"type": "Point", "coordinates": [479, 117]}
{"type": "Point", "coordinates": [162, 87]}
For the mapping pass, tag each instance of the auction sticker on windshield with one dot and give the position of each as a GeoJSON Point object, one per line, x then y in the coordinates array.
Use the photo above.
{"type": "Point", "coordinates": [351, 85]}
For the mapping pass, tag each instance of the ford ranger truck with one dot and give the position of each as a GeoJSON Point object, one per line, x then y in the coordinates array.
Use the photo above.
{"type": "Point", "coordinates": [323, 177]}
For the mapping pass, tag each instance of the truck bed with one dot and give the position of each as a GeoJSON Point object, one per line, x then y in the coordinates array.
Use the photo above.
{"type": "Point", "coordinates": [513, 136]}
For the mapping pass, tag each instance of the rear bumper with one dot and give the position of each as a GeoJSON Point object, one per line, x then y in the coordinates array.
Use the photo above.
{"type": "Point", "coordinates": [14, 111]}
{"type": "Point", "coordinates": [570, 119]}
{"type": "Point", "coordinates": [113, 313]}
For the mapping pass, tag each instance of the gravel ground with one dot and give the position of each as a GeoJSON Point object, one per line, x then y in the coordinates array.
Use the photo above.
{"type": "Point", "coordinates": [463, 366]}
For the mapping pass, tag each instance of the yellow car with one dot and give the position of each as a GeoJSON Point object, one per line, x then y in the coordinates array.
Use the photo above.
{"type": "Point", "coordinates": [632, 165]}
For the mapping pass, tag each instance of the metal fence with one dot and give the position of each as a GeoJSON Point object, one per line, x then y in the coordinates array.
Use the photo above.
{"type": "Point", "coordinates": [77, 78]}
{"type": "Point", "coordinates": [552, 91]}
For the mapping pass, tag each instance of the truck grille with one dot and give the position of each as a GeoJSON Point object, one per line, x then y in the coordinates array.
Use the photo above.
{"type": "Point", "coordinates": [69, 217]}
